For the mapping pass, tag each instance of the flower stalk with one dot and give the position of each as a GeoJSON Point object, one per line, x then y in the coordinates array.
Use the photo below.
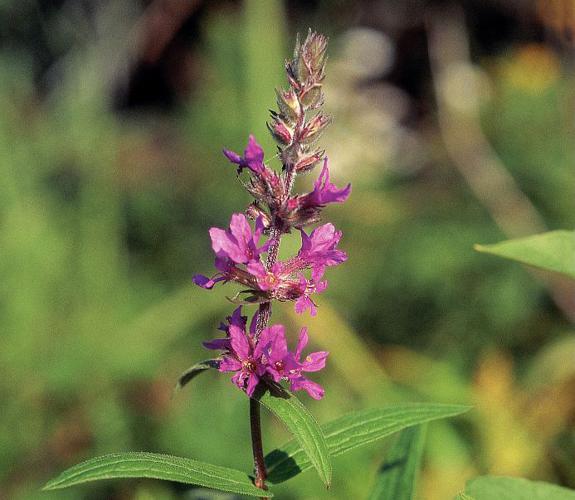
{"type": "Point", "coordinates": [259, 354]}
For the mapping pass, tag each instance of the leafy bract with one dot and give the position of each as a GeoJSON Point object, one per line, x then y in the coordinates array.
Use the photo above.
{"type": "Point", "coordinates": [157, 466]}
{"type": "Point", "coordinates": [195, 370]}
{"type": "Point", "coordinates": [397, 476]}
{"type": "Point", "coordinates": [514, 488]}
{"type": "Point", "coordinates": [553, 251]}
{"type": "Point", "coordinates": [308, 434]}
{"type": "Point", "coordinates": [354, 430]}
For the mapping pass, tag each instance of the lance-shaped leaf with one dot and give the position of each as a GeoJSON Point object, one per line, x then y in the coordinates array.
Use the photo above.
{"type": "Point", "coordinates": [515, 488]}
{"type": "Point", "coordinates": [396, 479]}
{"type": "Point", "coordinates": [195, 370]}
{"type": "Point", "coordinates": [354, 430]}
{"type": "Point", "coordinates": [307, 432]}
{"type": "Point", "coordinates": [157, 466]}
{"type": "Point", "coordinates": [552, 251]}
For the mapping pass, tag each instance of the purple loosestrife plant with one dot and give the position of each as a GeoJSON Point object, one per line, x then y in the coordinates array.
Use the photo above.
{"type": "Point", "coordinates": [259, 355]}
{"type": "Point", "coordinates": [255, 353]}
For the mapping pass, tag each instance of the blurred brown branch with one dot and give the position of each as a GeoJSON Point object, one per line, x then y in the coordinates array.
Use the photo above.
{"type": "Point", "coordinates": [159, 24]}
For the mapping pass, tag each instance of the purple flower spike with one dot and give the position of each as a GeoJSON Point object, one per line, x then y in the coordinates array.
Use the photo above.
{"type": "Point", "coordinates": [325, 192]}
{"type": "Point", "coordinates": [253, 158]}
{"type": "Point", "coordinates": [238, 243]}
{"type": "Point", "coordinates": [260, 352]}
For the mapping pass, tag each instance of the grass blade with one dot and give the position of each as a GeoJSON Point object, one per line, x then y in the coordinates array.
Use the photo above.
{"type": "Point", "coordinates": [397, 476]}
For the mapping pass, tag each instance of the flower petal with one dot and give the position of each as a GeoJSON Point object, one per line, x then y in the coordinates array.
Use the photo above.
{"type": "Point", "coordinates": [275, 335]}
{"type": "Point", "coordinates": [223, 344]}
{"type": "Point", "coordinates": [233, 157]}
{"type": "Point", "coordinates": [205, 282]}
{"type": "Point", "coordinates": [239, 342]}
{"type": "Point", "coordinates": [301, 343]}
{"type": "Point", "coordinates": [314, 361]}
{"type": "Point", "coordinates": [253, 381]}
{"type": "Point", "coordinates": [316, 391]}
{"type": "Point", "coordinates": [229, 364]}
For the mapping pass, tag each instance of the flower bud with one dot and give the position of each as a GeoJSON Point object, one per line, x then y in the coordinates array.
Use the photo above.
{"type": "Point", "coordinates": [313, 129]}
{"type": "Point", "coordinates": [312, 98]}
{"type": "Point", "coordinates": [254, 211]}
{"type": "Point", "coordinates": [279, 130]}
{"type": "Point", "coordinates": [307, 163]}
{"type": "Point", "coordinates": [311, 58]}
{"type": "Point", "coordinates": [288, 105]}
{"type": "Point", "coordinates": [291, 72]}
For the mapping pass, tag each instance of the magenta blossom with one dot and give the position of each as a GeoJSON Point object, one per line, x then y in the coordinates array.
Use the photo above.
{"type": "Point", "coordinates": [236, 319]}
{"type": "Point", "coordinates": [253, 158]}
{"type": "Point", "coordinates": [318, 250]}
{"type": "Point", "coordinates": [236, 245]}
{"type": "Point", "coordinates": [238, 259]}
{"type": "Point", "coordinates": [286, 281]}
{"type": "Point", "coordinates": [325, 192]}
{"type": "Point", "coordinates": [283, 283]}
{"type": "Point", "coordinates": [305, 209]}
{"type": "Point", "coordinates": [243, 355]}
{"type": "Point", "coordinates": [285, 365]}
{"type": "Point", "coordinates": [266, 358]}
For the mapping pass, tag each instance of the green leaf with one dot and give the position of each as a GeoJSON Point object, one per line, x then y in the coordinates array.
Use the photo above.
{"type": "Point", "coordinates": [397, 477]}
{"type": "Point", "coordinates": [195, 370]}
{"type": "Point", "coordinates": [552, 251]}
{"type": "Point", "coordinates": [307, 432]}
{"type": "Point", "coordinates": [156, 466]}
{"type": "Point", "coordinates": [354, 430]}
{"type": "Point", "coordinates": [515, 488]}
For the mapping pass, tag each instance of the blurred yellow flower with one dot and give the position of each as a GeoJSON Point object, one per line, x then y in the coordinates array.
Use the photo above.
{"type": "Point", "coordinates": [533, 69]}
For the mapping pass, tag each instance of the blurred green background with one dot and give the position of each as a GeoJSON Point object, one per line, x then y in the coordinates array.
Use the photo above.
{"type": "Point", "coordinates": [454, 122]}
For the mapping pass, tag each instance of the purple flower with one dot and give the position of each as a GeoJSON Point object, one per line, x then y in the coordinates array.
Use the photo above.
{"type": "Point", "coordinates": [238, 243]}
{"type": "Point", "coordinates": [253, 158]}
{"type": "Point", "coordinates": [243, 356]}
{"type": "Point", "coordinates": [318, 250]}
{"type": "Point", "coordinates": [324, 192]}
{"type": "Point", "coordinates": [304, 302]}
{"type": "Point", "coordinates": [236, 319]}
{"type": "Point", "coordinates": [205, 282]}
{"type": "Point", "coordinates": [267, 280]}
{"type": "Point", "coordinates": [285, 365]}
{"type": "Point", "coordinates": [285, 280]}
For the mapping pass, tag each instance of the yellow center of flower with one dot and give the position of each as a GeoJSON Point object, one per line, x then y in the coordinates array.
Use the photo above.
{"type": "Point", "coordinates": [249, 366]}
{"type": "Point", "coordinates": [271, 279]}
